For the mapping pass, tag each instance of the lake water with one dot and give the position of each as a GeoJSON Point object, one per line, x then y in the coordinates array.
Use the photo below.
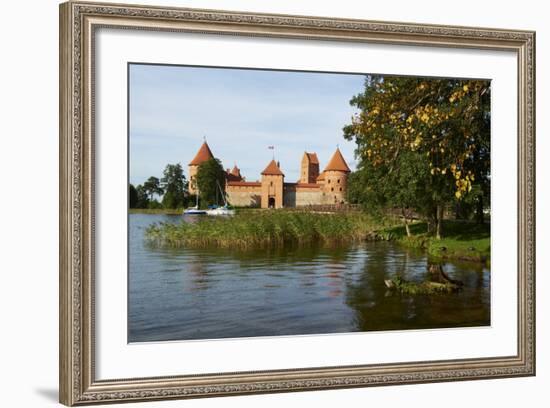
{"type": "Point", "coordinates": [180, 294]}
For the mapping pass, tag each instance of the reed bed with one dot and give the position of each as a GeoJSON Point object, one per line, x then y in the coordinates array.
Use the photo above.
{"type": "Point", "coordinates": [264, 229]}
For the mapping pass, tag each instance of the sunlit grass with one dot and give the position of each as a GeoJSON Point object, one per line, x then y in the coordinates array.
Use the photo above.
{"type": "Point", "coordinates": [276, 228]}
{"type": "Point", "coordinates": [461, 240]}
{"type": "Point", "coordinates": [260, 229]}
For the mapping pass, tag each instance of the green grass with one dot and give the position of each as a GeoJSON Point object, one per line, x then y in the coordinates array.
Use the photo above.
{"type": "Point", "coordinates": [267, 229]}
{"type": "Point", "coordinates": [275, 228]}
{"type": "Point", "coordinates": [461, 240]}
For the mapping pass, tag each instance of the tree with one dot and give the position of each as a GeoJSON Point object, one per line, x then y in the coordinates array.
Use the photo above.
{"type": "Point", "coordinates": [210, 179]}
{"type": "Point", "coordinates": [175, 187]}
{"type": "Point", "coordinates": [142, 197]}
{"type": "Point", "coordinates": [446, 122]}
{"type": "Point", "coordinates": [408, 186]}
{"type": "Point", "coordinates": [152, 187]}
{"type": "Point", "coordinates": [132, 196]}
{"type": "Point", "coordinates": [405, 188]}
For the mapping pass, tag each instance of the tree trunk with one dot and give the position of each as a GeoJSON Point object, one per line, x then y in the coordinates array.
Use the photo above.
{"type": "Point", "coordinates": [437, 274]}
{"type": "Point", "coordinates": [479, 210]}
{"type": "Point", "coordinates": [406, 221]}
{"type": "Point", "coordinates": [432, 221]}
{"type": "Point", "coordinates": [430, 226]}
{"type": "Point", "coordinates": [458, 212]}
{"type": "Point", "coordinates": [439, 222]}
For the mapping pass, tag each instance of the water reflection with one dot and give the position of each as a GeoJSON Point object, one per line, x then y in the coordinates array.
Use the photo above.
{"type": "Point", "coordinates": [205, 293]}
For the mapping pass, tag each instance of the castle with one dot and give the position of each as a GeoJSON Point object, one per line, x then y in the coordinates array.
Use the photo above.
{"type": "Point", "coordinates": [313, 187]}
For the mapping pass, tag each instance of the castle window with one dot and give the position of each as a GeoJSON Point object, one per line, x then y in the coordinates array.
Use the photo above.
{"type": "Point", "coordinates": [338, 181]}
{"type": "Point", "coordinates": [328, 181]}
{"type": "Point", "coordinates": [340, 188]}
{"type": "Point", "coordinates": [332, 189]}
{"type": "Point", "coordinates": [271, 183]}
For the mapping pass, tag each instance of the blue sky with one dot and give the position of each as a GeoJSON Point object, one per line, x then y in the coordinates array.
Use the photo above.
{"type": "Point", "coordinates": [241, 113]}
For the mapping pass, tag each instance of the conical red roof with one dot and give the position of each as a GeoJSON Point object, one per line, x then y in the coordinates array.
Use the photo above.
{"type": "Point", "coordinates": [337, 163]}
{"type": "Point", "coordinates": [272, 169]}
{"type": "Point", "coordinates": [202, 155]}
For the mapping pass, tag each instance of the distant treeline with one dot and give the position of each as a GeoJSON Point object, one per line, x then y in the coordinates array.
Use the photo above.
{"type": "Point", "coordinates": [170, 191]}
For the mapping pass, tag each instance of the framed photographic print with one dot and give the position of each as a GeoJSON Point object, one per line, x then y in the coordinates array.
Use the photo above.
{"type": "Point", "coordinates": [262, 203]}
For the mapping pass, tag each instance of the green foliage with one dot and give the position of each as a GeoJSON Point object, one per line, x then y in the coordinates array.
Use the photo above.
{"type": "Point", "coordinates": [152, 187]}
{"type": "Point", "coordinates": [405, 184]}
{"type": "Point", "coordinates": [154, 204]}
{"type": "Point", "coordinates": [466, 241]}
{"type": "Point", "coordinates": [172, 200]}
{"type": "Point", "coordinates": [142, 197]}
{"type": "Point", "coordinates": [175, 187]}
{"type": "Point", "coordinates": [422, 143]}
{"type": "Point", "coordinates": [266, 229]}
{"type": "Point", "coordinates": [210, 179]}
{"type": "Point", "coordinates": [132, 196]}
{"type": "Point", "coordinates": [473, 205]}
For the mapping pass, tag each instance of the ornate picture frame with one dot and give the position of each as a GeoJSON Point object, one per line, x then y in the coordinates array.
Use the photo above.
{"type": "Point", "coordinates": [78, 24]}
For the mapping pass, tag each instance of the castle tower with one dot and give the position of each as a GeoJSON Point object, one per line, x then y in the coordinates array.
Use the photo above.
{"type": "Point", "coordinates": [309, 168]}
{"type": "Point", "coordinates": [335, 179]}
{"type": "Point", "coordinates": [272, 186]}
{"type": "Point", "coordinates": [233, 174]}
{"type": "Point", "coordinates": [204, 154]}
{"type": "Point", "coordinates": [236, 172]}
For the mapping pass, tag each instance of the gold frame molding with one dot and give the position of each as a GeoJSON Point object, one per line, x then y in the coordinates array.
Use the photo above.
{"type": "Point", "coordinates": [78, 22]}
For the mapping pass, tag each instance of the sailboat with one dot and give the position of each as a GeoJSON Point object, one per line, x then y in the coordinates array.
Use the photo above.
{"type": "Point", "coordinates": [194, 210]}
{"type": "Point", "coordinates": [223, 210]}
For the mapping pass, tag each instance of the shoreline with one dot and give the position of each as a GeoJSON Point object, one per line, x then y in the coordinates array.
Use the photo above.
{"type": "Point", "coordinates": [156, 211]}
{"type": "Point", "coordinates": [462, 241]}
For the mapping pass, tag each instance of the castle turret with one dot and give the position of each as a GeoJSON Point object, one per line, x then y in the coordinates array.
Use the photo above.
{"type": "Point", "coordinates": [334, 179]}
{"type": "Point", "coordinates": [309, 168]}
{"type": "Point", "coordinates": [233, 174]}
{"type": "Point", "coordinates": [272, 186]}
{"type": "Point", "coordinates": [204, 154]}
{"type": "Point", "coordinates": [236, 172]}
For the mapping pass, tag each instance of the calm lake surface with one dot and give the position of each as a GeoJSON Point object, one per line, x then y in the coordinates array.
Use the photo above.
{"type": "Point", "coordinates": [180, 294]}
